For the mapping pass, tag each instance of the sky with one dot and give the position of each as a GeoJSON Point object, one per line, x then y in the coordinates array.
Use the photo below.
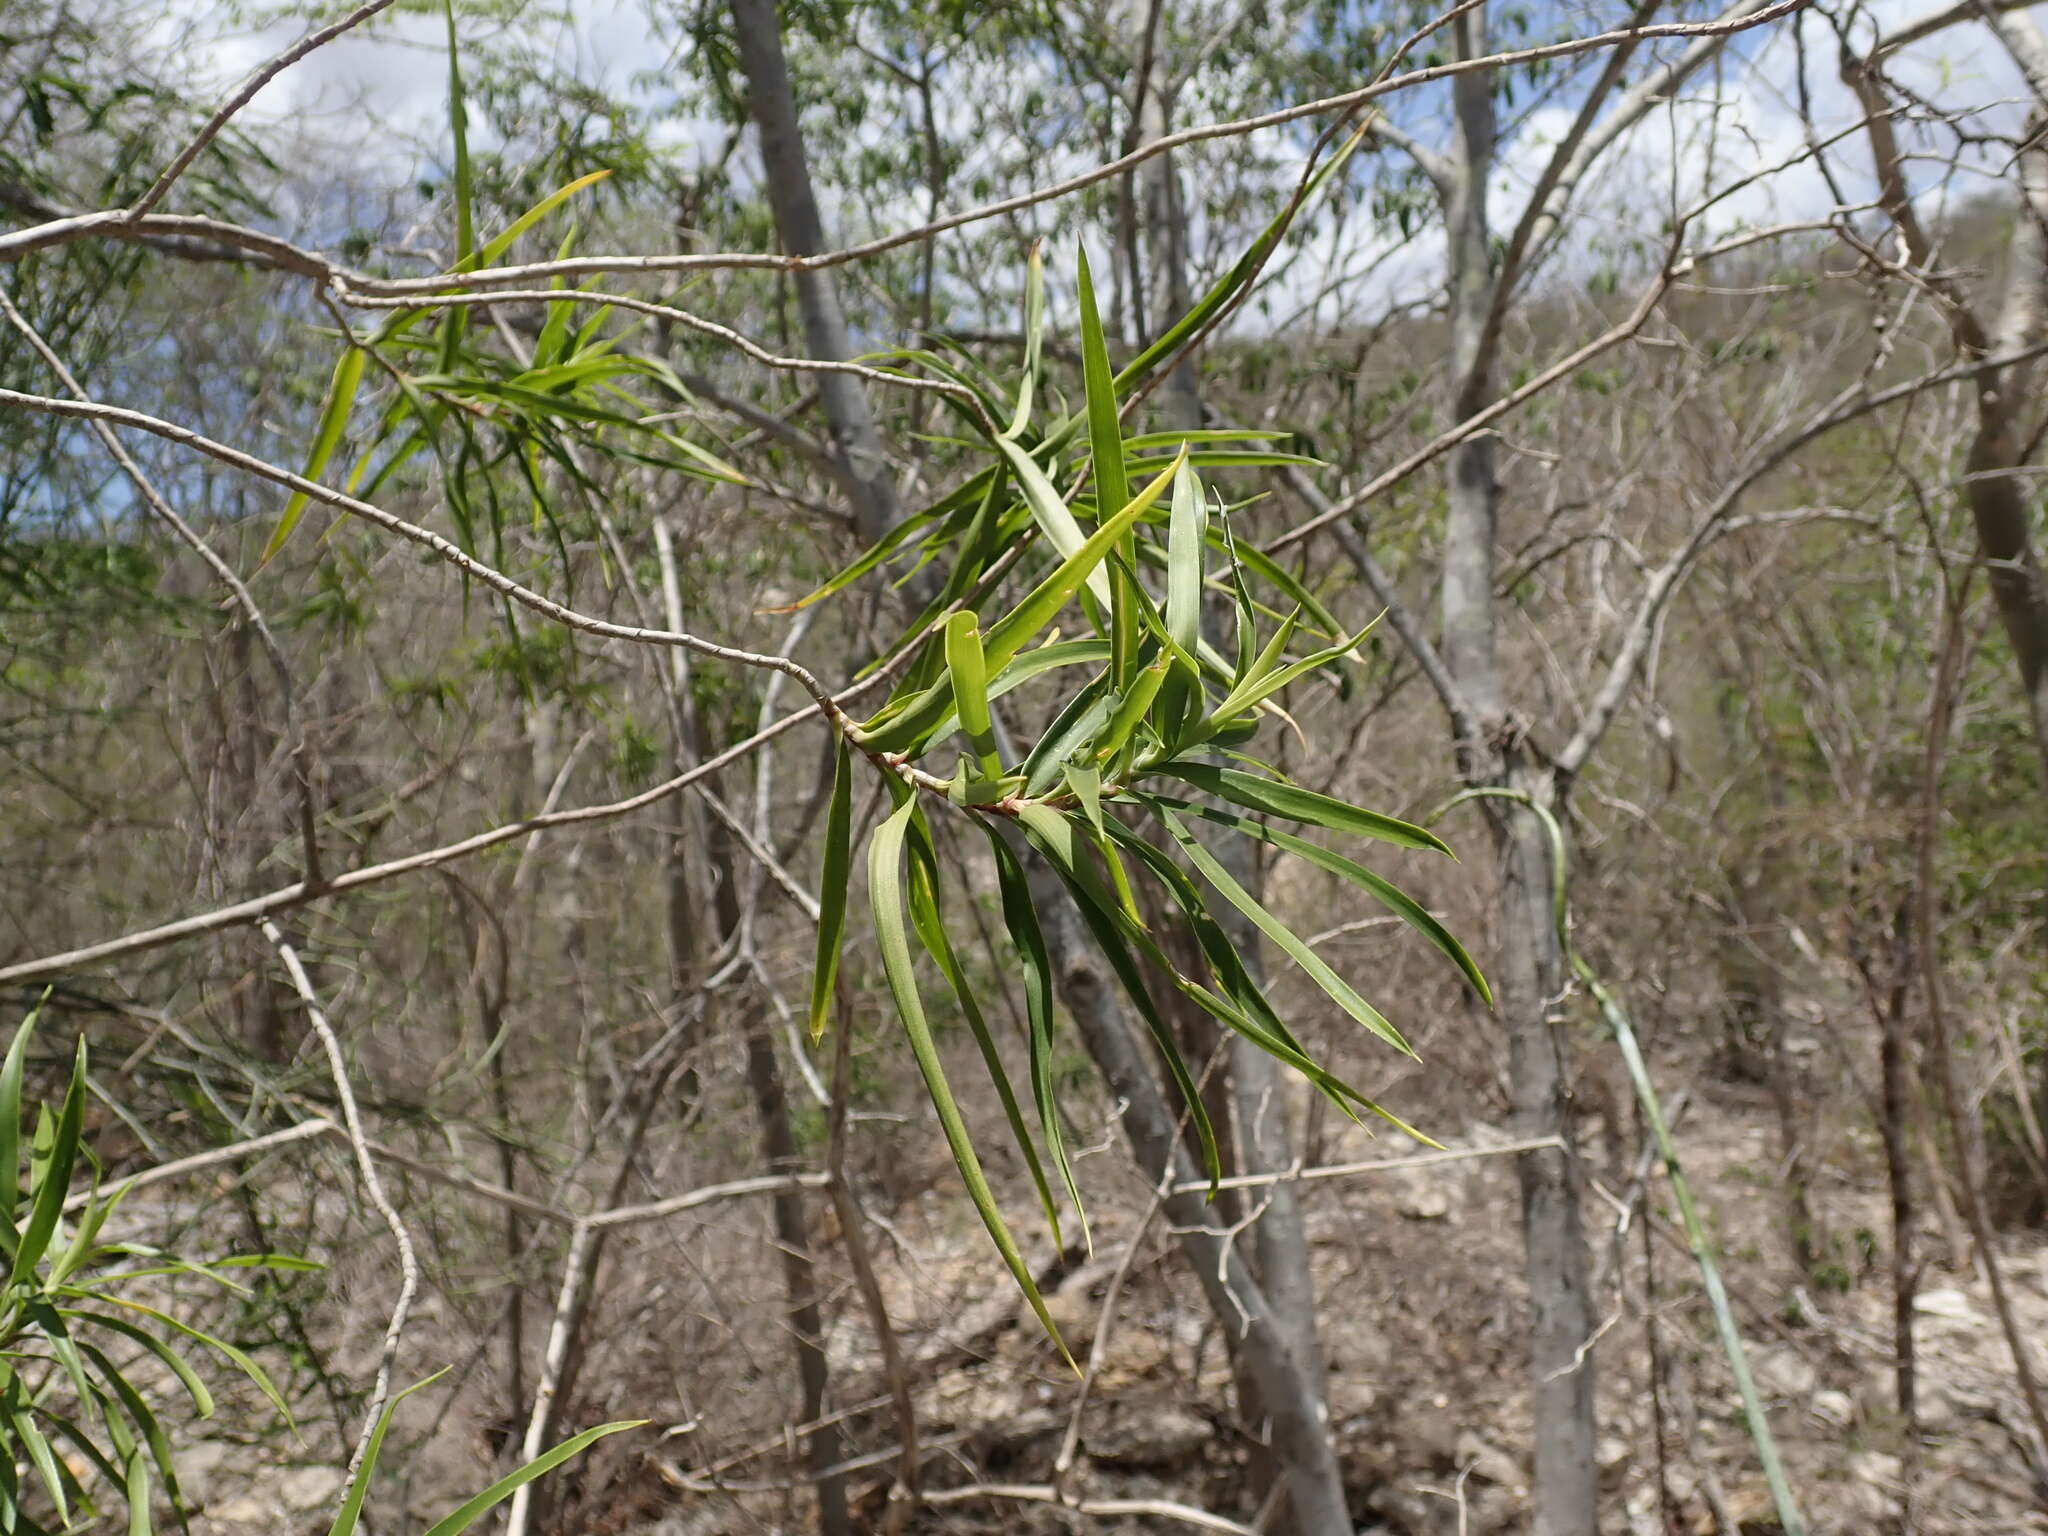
{"type": "Point", "coordinates": [393, 73]}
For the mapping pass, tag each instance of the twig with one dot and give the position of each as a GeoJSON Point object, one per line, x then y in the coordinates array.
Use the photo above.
{"type": "Point", "coordinates": [243, 95]}
{"type": "Point", "coordinates": [373, 1186]}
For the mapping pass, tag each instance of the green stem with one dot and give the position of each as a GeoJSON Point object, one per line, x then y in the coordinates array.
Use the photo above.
{"type": "Point", "coordinates": [1617, 1020]}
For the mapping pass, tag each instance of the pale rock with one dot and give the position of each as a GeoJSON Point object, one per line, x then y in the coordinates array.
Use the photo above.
{"type": "Point", "coordinates": [1150, 1437]}
{"type": "Point", "coordinates": [1785, 1373]}
{"type": "Point", "coordinates": [1425, 1202]}
{"type": "Point", "coordinates": [1879, 1469]}
{"type": "Point", "coordinates": [310, 1487]}
{"type": "Point", "coordinates": [1611, 1452]}
{"type": "Point", "coordinates": [1950, 1305]}
{"type": "Point", "coordinates": [1835, 1408]}
{"type": "Point", "coordinates": [1488, 1461]}
{"type": "Point", "coordinates": [247, 1510]}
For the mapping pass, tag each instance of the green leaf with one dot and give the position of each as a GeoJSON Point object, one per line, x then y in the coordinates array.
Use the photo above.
{"type": "Point", "coordinates": [138, 1495]}
{"type": "Point", "coordinates": [30, 1440]}
{"type": "Point", "coordinates": [1130, 710]}
{"type": "Point", "coordinates": [1022, 920]}
{"type": "Point", "coordinates": [468, 1513]}
{"type": "Point", "coordinates": [256, 1374]}
{"type": "Point", "coordinates": [1291, 802]}
{"type": "Point", "coordinates": [351, 1512]}
{"type": "Point", "coordinates": [10, 1125]}
{"type": "Point", "coordinates": [1106, 460]}
{"type": "Point", "coordinates": [1242, 272]}
{"type": "Point", "coordinates": [144, 1419]}
{"type": "Point", "coordinates": [202, 1399]}
{"type": "Point", "coordinates": [55, 1178]}
{"type": "Point", "coordinates": [458, 129]}
{"type": "Point", "coordinates": [966, 665]}
{"type": "Point", "coordinates": [1053, 835]}
{"type": "Point", "coordinates": [1044, 601]}
{"type": "Point", "coordinates": [1055, 520]}
{"type": "Point", "coordinates": [1086, 784]}
{"type": "Point", "coordinates": [832, 886]}
{"type": "Point", "coordinates": [931, 931]}
{"type": "Point", "coordinates": [1339, 990]}
{"type": "Point", "coordinates": [334, 414]}
{"type": "Point", "coordinates": [1251, 693]}
{"type": "Point", "coordinates": [1071, 730]}
{"type": "Point", "coordinates": [1034, 339]}
{"type": "Point", "coordinates": [1382, 890]}
{"type": "Point", "coordinates": [500, 243]}
{"type": "Point", "coordinates": [885, 897]}
{"type": "Point", "coordinates": [1185, 541]}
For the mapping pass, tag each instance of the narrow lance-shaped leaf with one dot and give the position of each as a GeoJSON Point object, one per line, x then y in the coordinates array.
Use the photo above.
{"type": "Point", "coordinates": [341, 399]}
{"type": "Point", "coordinates": [10, 1125]}
{"type": "Point", "coordinates": [969, 671]}
{"type": "Point", "coordinates": [473, 1510]}
{"type": "Point", "coordinates": [1106, 460]}
{"type": "Point", "coordinates": [1186, 533]}
{"type": "Point", "coordinates": [892, 935]}
{"type": "Point", "coordinates": [832, 889]}
{"type": "Point", "coordinates": [1242, 272]}
{"type": "Point", "coordinates": [1249, 695]}
{"type": "Point", "coordinates": [931, 930]}
{"type": "Point", "coordinates": [55, 1176]}
{"type": "Point", "coordinates": [351, 1512]}
{"type": "Point", "coordinates": [1055, 519]}
{"type": "Point", "coordinates": [1021, 919]}
{"type": "Point", "coordinates": [1339, 990]}
{"type": "Point", "coordinates": [1053, 835]}
{"type": "Point", "coordinates": [1382, 890]}
{"type": "Point", "coordinates": [1034, 338]}
{"type": "Point", "coordinates": [1043, 602]}
{"type": "Point", "coordinates": [1271, 797]}
{"type": "Point", "coordinates": [1244, 1007]}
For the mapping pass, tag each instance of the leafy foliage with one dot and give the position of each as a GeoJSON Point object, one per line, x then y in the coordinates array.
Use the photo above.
{"type": "Point", "coordinates": [74, 1328]}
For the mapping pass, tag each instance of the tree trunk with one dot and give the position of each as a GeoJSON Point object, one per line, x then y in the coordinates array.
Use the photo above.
{"type": "Point", "coordinates": [1264, 1140]}
{"type": "Point", "coordinates": [2002, 505]}
{"type": "Point", "coordinates": [1531, 976]}
{"type": "Point", "coordinates": [801, 230]}
{"type": "Point", "coordinates": [1251, 1322]}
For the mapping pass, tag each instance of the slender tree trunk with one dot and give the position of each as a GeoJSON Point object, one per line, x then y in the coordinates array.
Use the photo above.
{"type": "Point", "coordinates": [1531, 975]}
{"type": "Point", "coordinates": [799, 1273]}
{"type": "Point", "coordinates": [1251, 1322]}
{"type": "Point", "coordinates": [2002, 504]}
{"type": "Point", "coordinates": [801, 229]}
{"type": "Point", "coordinates": [1264, 1139]}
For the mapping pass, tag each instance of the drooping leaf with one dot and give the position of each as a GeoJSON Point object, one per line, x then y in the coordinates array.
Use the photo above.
{"type": "Point", "coordinates": [334, 414]}
{"type": "Point", "coordinates": [931, 931]}
{"type": "Point", "coordinates": [1101, 911]}
{"type": "Point", "coordinates": [1291, 802]}
{"type": "Point", "coordinates": [1382, 890]}
{"type": "Point", "coordinates": [832, 889]}
{"type": "Point", "coordinates": [892, 936]}
{"type": "Point", "coordinates": [1338, 989]}
{"type": "Point", "coordinates": [1022, 920]}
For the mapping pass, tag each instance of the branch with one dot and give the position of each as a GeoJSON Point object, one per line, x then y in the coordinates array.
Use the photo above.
{"type": "Point", "coordinates": [301, 751]}
{"type": "Point", "coordinates": [299, 892]}
{"type": "Point", "coordinates": [373, 1186]}
{"type": "Point", "coordinates": [244, 93]}
{"type": "Point", "coordinates": [120, 224]}
{"type": "Point", "coordinates": [1849, 404]}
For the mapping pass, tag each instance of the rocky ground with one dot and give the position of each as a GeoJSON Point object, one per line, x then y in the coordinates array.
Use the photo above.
{"type": "Point", "coordinates": [1418, 1271]}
